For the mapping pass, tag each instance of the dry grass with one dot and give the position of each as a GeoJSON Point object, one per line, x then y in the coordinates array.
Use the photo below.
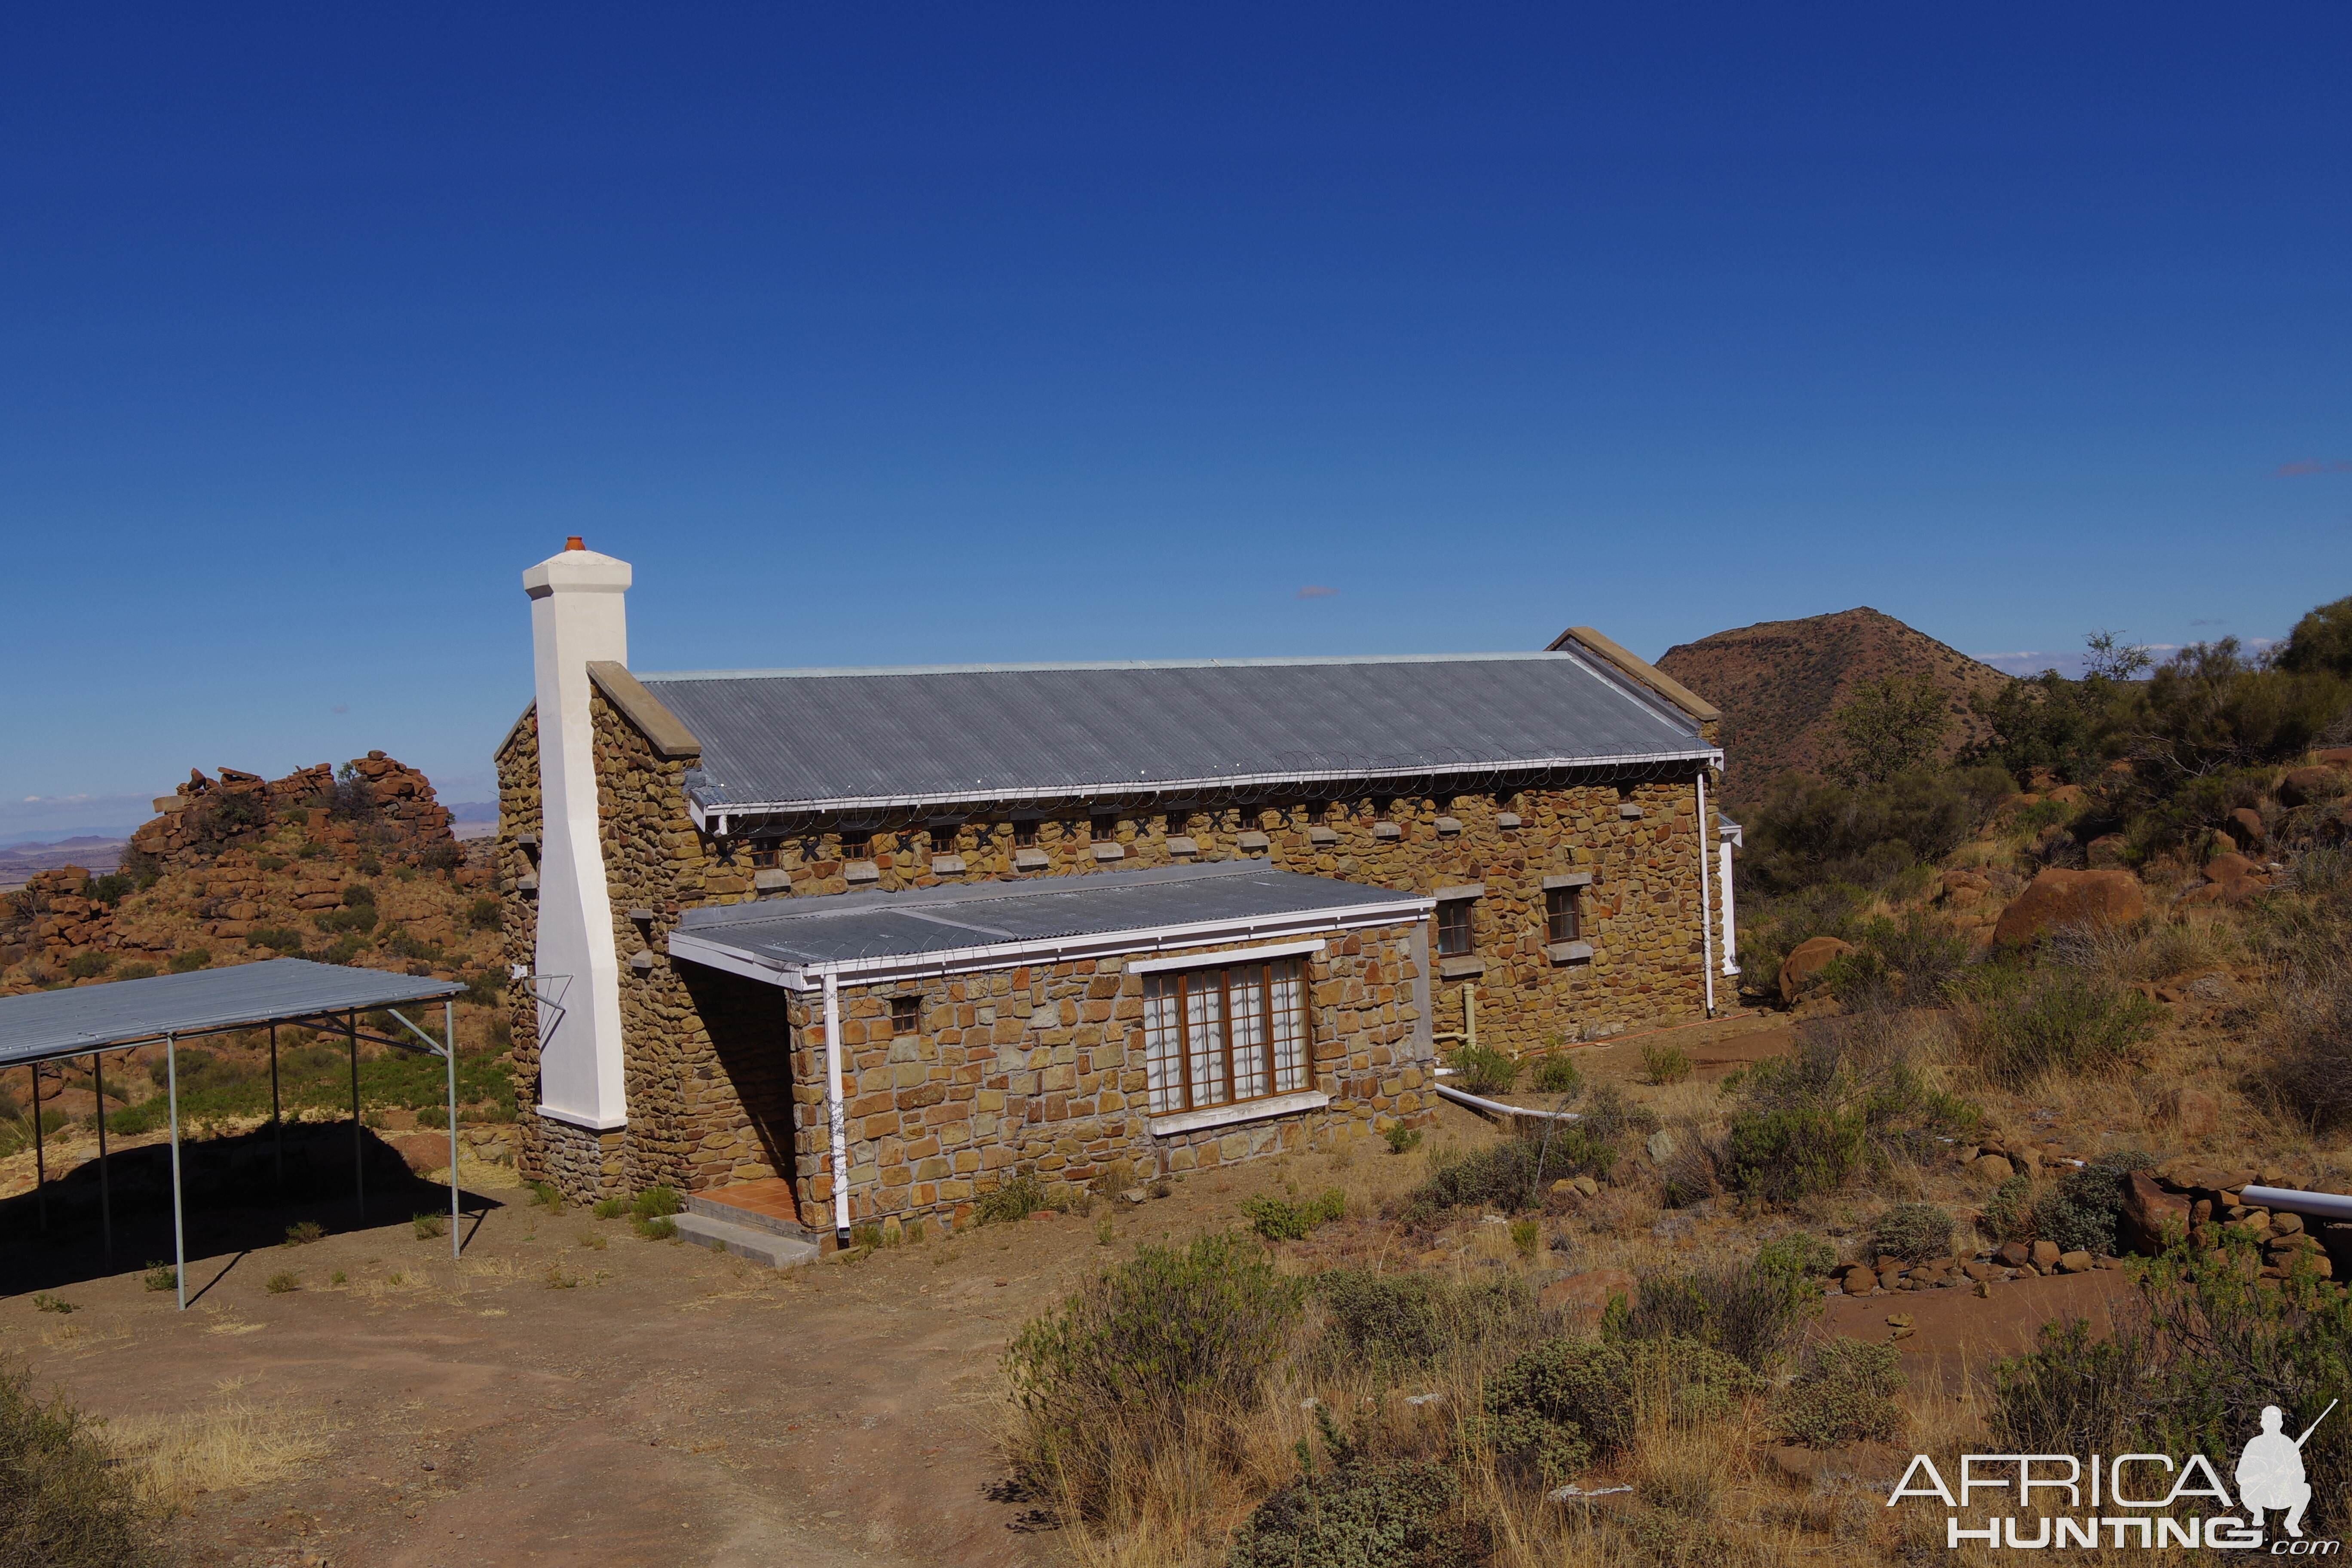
{"type": "Point", "coordinates": [233, 1445]}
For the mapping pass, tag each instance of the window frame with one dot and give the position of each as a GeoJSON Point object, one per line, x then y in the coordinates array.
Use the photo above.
{"type": "Point", "coordinates": [856, 846]}
{"type": "Point", "coordinates": [1024, 832]}
{"type": "Point", "coordinates": [1452, 920]}
{"type": "Point", "coordinates": [1563, 915]}
{"type": "Point", "coordinates": [1169, 1028]}
{"type": "Point", "coordinates": [906, 1016]}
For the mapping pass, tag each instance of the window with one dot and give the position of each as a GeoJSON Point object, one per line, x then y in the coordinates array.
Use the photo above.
{"type": "Point", "coordinates": [905, 1014]}
{"type": "Point", "coordinates": [1102, 829]}
{"type": "Point", "coordinates": [1316, 810]}
{"type": "Point", "coordinates": [766, 857]}
{"type": "Point", "coordinates": [943, 837]}
{"type": "Point", "coordinates": [1564, 914]}
{"type": "Point", "coordinates": [1454, 927]}
{"type": "Point", "coordinates": [1024, 833]}
{"type": "Point", "coordinates": [1212, 1036]}
{"type": "Point", "coordinates": [1178, 821]}
{"type": "Point", "coordinates": [857, 846]}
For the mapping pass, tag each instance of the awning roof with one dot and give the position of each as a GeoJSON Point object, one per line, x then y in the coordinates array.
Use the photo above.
{"type": "Point", "coordinates": [48, 1023]}
{"type": "Point", "coordinates": [990, 924]}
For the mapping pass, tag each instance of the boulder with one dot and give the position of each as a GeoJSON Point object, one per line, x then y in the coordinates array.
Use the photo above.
{"type": "Point", "coordinates": [2046, 1256]}
{"type": "Point", "coordinates": [1802, 968]}
{"type": "Point", "coordinates": [1992, 1168]}
{"type": "Point", "coordinates": [2303, 785]}
{"type": "Point", "coordinates": [2149, 1213]}
{"type": "Point", "coordinates": [2059, 897]}
{"type": "Point", "coordinates": [1588, 1294]}
{"type": "Point", "coordinates": [2230, 868]}
{"type": "Point", "coordinates": [2106, 851]}
{"type": "Point", "coordinates": [2192, 1112]}
{"type": "Point", "coordinates": [1859, 1281]}
{"type": "Point", "coordinates": [2077, 1262]}
{"type": "Point", "coordinates": [425, 1153]}
{"type": "Point", "coordinates": [2245, 826]}
{"type": "Point", "coordinates": [2333, 756]}
{"type": "Point", "coordinates": [2012, 1255]}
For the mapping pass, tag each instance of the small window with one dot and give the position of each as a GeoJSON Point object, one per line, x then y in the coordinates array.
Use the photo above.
{"type": "Point", "coordinates": [766, 857]}
{"type": "Point", "coordinates": [857, 846]}
{"type": "Point", "coordinates": [1453, 928]}
{"type": "Point", "coordinates": [943, 839]}
{"type": "Point", "coordinates": [1024, 833]}
{"type": "Point", "coordinates": [1177, 822]}
{"type": "Point", "coordinates": [1318, 810]}
{"type": "Point", "coordinates": [1102, 829]}
{"type": "Point", "coordinates": [1564, 914]}
{"type": "Point", "coordinates": [905, 1014]}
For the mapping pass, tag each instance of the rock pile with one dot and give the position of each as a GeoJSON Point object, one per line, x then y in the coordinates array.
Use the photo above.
{"type": "Point", "coordinates": [378, 805]}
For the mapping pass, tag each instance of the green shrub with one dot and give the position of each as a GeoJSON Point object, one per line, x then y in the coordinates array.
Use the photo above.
{"type": "Point", "coordinates": [1845, 1100]}
{"type": "Point", "coordinates": [1751, 1314]}
{"type": "Point", "coordinates": [64, 1501]}
{"type": "Point", "coordinates": [610, 1208]}
{"type": "Point", "coordinates": [1807, 832]}
{"type": "Point", "coordinates": [2023, 1024]}
{"type": "Point", "coordinates": [359, 896]}
{"type": "Point", "coordinates": [483, 914]}
{"type": "Point", "coordinates": [1568, 1404]}
{"type": "Point", "coordinates": [1361, 1513]}
{"type": "Point", "coordinates": [654, 1203]}
{"type": "Point", "coordinates": [2008, 1215]}
{"type": "Point", "coordinates": [2079, 1213]}
{"type": "Point", "coordinates": [1015, 1199]}
{"type": "Point", "coordinates": [654, 1228]}
{"type": "Point", "coordinates": [140, 971]}
{"type": "Point", "coordinates": [1482, 1069]}
{"type": "Point", "coordinates": [1665, 1064]}
{"type": "Point", "coordinates": [1509, 1177]}
{"type": "Point", "coordinates": [1410, 1320]}
{"type": "Point", "coordinates": [1913, 1231]}
{"type": "Point", "coordinates": [359, 917]}
{"type": "Point", "coordinates": [1278, 1220]}
{"type": "Point", "coordinates": [1610, 1117]}
{"type": "Point", "coordinates": [1555, 1073]}
{"type": "Point", "coordinates": [161, 1275]}
{"type": "Point", "coordinates": [1792, 1152]}
{"type": "Point", "coordinates": [1843, 1393]}
{"type": "Point", "coordinates": [193, 959]}
{"type": "Point", "coordinates": [546, 1196]}
{"type": "Point", "coordinates": [303, 1233]}
{"type": "Point", "coordinates": [87, 966]}
{"type": "Point", "coordinates": [1796, 1256]}
{"type": "Point", "coordinates": [283, 1281]}
{"type": "Point", "coordinates": [428, 1226]}
{"type": "Point", "coordinates": [1153, 1353]}
{"type": "Point", "coordinates": [283, 939]}
{"type": "Point", "coordinates": [1402, 1139]}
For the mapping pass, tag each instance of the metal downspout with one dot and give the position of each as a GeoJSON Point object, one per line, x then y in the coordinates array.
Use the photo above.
{"type": "Point", "coordinates": [1705, 903]}
{"type": "Point", "coordinates": [837, 1113]}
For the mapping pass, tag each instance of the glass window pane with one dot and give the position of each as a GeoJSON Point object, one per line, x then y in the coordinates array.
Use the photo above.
{"type": "Point", "coordinates": [1204, 1036]}
{"type": "Point", "coordinates": [1164, 1045]}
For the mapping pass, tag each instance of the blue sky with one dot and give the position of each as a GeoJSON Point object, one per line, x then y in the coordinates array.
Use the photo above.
{"type": "Point", "coordinates": [904, 333]}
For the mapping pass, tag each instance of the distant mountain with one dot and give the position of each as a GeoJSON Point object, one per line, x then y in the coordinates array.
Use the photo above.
{"type": "Point", "coordinates": [1779, 681]}
{"type": "Point", "coordinates": [472, 810]}
{"type": "Point", "coordinates": [64, 838]}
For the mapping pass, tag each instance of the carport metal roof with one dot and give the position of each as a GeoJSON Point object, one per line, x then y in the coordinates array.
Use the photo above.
{"type": "Point", "coordinates": [46, 1024]}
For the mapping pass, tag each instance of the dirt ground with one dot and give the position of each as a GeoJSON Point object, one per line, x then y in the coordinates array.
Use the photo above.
{"type": "Point", "coordinates": [572, 1393]}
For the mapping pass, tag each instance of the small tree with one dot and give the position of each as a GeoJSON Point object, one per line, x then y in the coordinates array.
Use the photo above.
{"type": "Point", "coordinates": [1888, 726]}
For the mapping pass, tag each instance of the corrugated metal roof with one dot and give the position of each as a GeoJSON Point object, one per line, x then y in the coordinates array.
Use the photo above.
{"type": "Point", "coordinates": [837, 927]}
{"type": "Point", "coordinates": [48, 1023]}
{"type": "Point", "coordinates": [858, 738]}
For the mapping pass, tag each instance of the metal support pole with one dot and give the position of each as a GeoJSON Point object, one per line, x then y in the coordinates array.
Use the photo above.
{"type": "Point", "coordinates": [449, 1051]}
{"type": "Point", "coordinates": [836, 1112]}
{"type": "Point", "coordinates": [358, 1134]}
{"type": "Point", "coordinates": [105, 1194]}
{"type": "Point", "coordinates": [179, 1212]}
{"type": "Point", "coordinates": [277, 1119]}
{"type": "Point", "coordinates": [1706, 902]}
{"type": "Point", "coordinates": [40, 1153]}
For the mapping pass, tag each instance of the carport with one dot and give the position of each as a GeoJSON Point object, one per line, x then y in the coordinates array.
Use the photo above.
{"type": "Point", "coordinates": [92, 1020]}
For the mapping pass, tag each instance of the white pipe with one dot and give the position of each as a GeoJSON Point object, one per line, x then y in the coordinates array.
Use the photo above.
{"type": "Point", "coordinates": [837, 1113]}
{"type": "Point", "coordinates": [1730, 930]}
{"type": "Point", "coordinates": [1496, 1106]}
{"type": "Point", "coordinates": [2328, 1206]}
{"type": "Point", "coordinates": [1705, 909]}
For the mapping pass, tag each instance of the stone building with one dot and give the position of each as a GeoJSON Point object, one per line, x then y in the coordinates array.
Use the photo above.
{"type": "Point", "coordinates": [879, 940]}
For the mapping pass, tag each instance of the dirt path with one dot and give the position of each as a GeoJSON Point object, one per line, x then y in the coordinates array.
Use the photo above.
{"type": "Point", "coordinates": [670, 1405]}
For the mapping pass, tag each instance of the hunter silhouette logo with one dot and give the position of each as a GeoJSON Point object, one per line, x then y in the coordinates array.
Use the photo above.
{"type": "Point", "coordinates": [2270, 1472]}
{"type": "Point", "coordinates": [2149, 1496]}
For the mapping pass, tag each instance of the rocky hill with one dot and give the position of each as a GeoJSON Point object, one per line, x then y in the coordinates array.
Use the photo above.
{"type": "Point", "coordinates": [1779, 681]}
{"type": "Point", "coordinates": [355, 868]}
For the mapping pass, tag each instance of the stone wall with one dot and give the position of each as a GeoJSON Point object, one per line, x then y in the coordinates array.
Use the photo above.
{"type": "Point", "coordinates": [708, 1104]}
{"type": "Point", "coordinates": [1041, 1069]}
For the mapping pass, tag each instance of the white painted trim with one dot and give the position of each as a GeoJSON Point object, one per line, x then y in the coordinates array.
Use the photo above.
{"type": "Point", "coordinates": [1237, 955]}
{"type": "Point", "coordinates": [574, 1119]}
{"type": "Point", "coordinates": [1244, 1111]}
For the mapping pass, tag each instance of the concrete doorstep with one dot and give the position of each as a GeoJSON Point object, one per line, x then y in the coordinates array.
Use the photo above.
{"type": "Point", "coordinates": [744, 1241]}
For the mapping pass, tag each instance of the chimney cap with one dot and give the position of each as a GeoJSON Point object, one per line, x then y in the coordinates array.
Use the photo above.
{"type": "Point", "coordinates": [574, 541]}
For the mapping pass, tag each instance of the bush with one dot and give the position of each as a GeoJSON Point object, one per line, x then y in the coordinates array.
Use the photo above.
{"type": "Point", "coordinates": [161, 1275]}
{"type": "Point", "coordinates": [87, 966]}
{"type": "Point", "coordinates": [281, 938]}
{"type": "Point", "coordinates": [1512, 1176]}
{"type": "Point", "coordinates": [1016, 1199]}
{"type": "Point", "coordinates": [1151, 1354]}
{"type": "Point", "coordinates": [1792, 1152]}
{"type": "Point", "coordinates": [193, 959]}
{"type": "Point", "coordinates": [2008, 1215]}
{"type": "Point", "coordinates": [2081, 1212]}
{"type": "Point", "coordinates": [1913, 1231]}
{"type": "Point", "coordinates": [1278, 1220]}
{"type": "Point", "coordinates": [483, 914]}
{"type": "Point", "coordinates": [428, 1226]}
{"type": "Point", "coordinates": [140, 971]}
{"type": "Point", "coordinates": [2307, 1065]}
{"type": "Point", "coordinates": [1413, 1320]}
{"type": "Point", "coordinates": [1845, 1100]}
{"type": "Point", "coordinates": [1807, 832]}
{"type": "Point", "coordinates": [654, 1228]}
{"type": "Point", "coordinates": [1402, 1139]}
{"type": "Point", "coordinates": [1843, 1393]}
{"type": "Point", "coordinates": [1796, 1256]}
{"type": "Point", "coordinates": [1482, 1069]}
{"type": "Point", "coordinates": [1555, 1073]}
{"type": "Point", "coordinates": [1568, 1404]}
{"type": "Point", "coordinates": [654, 1203]}
{"type": "Point", "coordinates": [64, 1502]}
{"type": "Point", "coordinates": [1751, 1314]}
{"type": "Point", "coordinates": [2022, 1024]}
{"type": "Point", "coordinates": [1665, 1064]}
{"type": "Point", "coordinates": [282, 1282]}
{"type": "Point", "coordinates": [303, 1233]}
{"type": "Point", "coordinates": [610, 1208]}
{"type": "Point", "coordinates": [359, 918]}
{"type": "Point", "coordinates": [1361, 1513]}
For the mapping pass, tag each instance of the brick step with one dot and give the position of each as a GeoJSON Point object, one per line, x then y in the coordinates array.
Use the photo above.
{"type": "Point", "coordinates": [744, 1241]}
{"type": "Point", "coordinates": [744, 1214]}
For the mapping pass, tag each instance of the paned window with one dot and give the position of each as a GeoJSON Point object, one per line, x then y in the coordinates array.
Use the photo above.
{"type": "Point", "coordinates": [1454, 927]}
{"type": "Point", "coordinates": [1212, 1036]}
{"type": "Point", "coordinates": [1024, 833]}
{"type": "Point", "coordinates": [1102, 829]}
{"type": "Point", "coordinates": [766, 857]}
{"type": "Point", "coordinates": [944, 839]}
{"type": "Point", "coordinates": [1564, 914]}
{"type": "Point", "coordinates": [905, 1014]}
{"type": "Point", "coordinates": [857, 846]}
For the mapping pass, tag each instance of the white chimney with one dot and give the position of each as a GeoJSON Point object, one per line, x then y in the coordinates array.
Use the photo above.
{"type": "Point", "coordinates": [577, 615]}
